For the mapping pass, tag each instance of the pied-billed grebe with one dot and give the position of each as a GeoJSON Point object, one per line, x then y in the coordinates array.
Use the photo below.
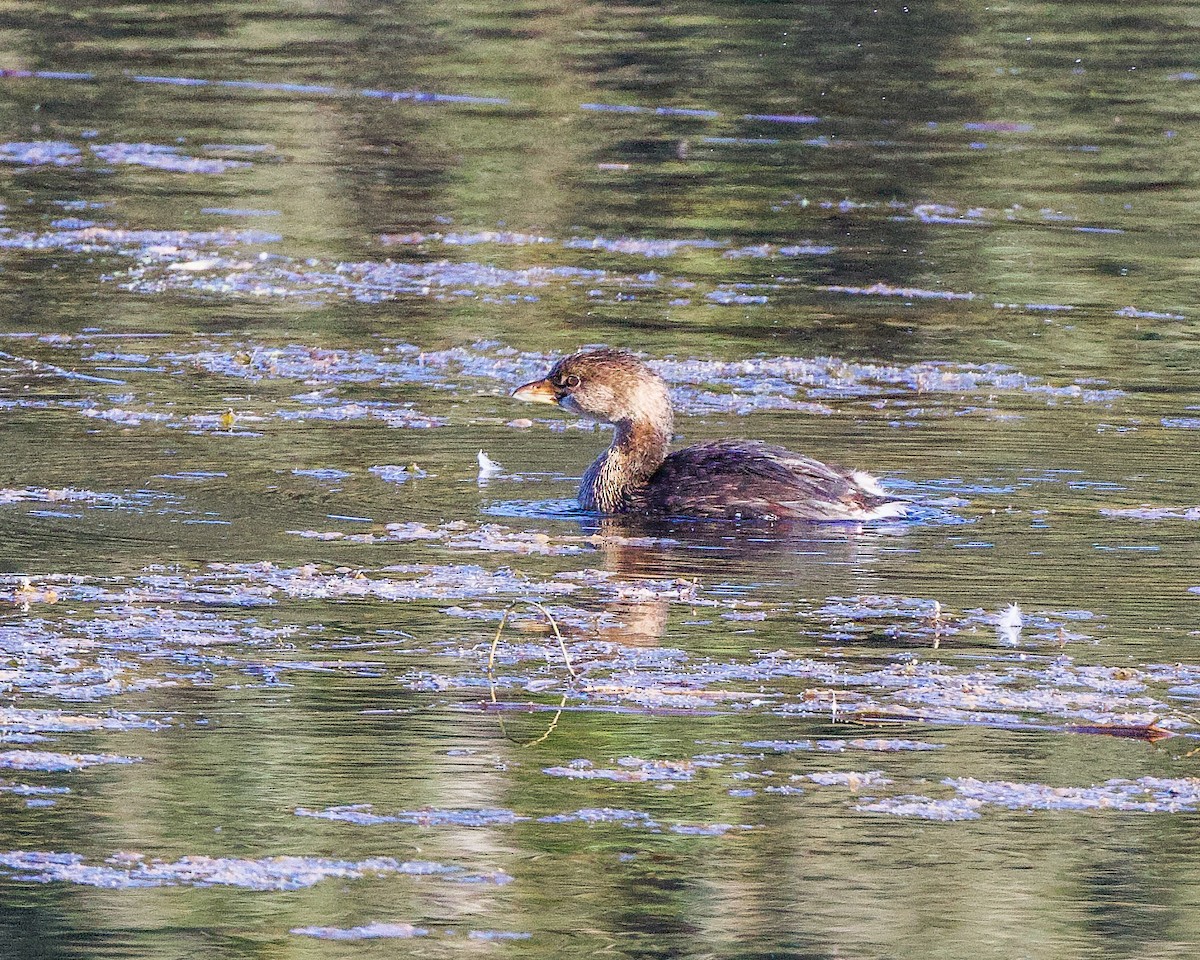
{"type": "Point", "coordinates": [731, 479]}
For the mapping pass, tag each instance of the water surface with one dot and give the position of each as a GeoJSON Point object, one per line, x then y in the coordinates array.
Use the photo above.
{"type": "Point", "coordinates": [267, 278]}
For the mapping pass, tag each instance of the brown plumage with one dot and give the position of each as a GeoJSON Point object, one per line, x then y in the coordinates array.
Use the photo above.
{"type": "Point", "coordinates": [731, 479]}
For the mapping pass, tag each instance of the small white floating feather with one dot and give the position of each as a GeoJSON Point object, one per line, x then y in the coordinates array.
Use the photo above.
{"type": "Point", "coordinates": [488, 468]}
{"type": "Point", "coordinates": [1008, 625]}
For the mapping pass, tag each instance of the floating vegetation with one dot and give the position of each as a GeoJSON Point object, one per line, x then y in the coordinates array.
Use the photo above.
{"type": "Point", "coordinates": [1136, 314]}
{"type": "Point", "coordinates": [47, 760]}
{"type": "Point", "coordinates": [640, 246]}
{"type": "Point", "coordinates": [974, 797]}
{"type": "Point", "coordinates": [363, 814]}
{"type": "Point", "coordinates": [163, 157]}
{"type": "Point", "coordinates": [1043, 693]}
{"type": "Point", "coordinates": [939, 214]}
{"type": "Point", "coordinates": [40, 153]}
{"type": "Point", "coordinates": [311, 582]}
{"type": "Point", "coordinates": [855, 781]}
{"type": "Point", "coordinates": [766, 251]}
{"type": "Point", "coordinates": [392, 415]}
{"type": "Point", "coordinates": [873, 744]}
{"type": "Point", "coordinates": [26, 790]}
{"type": "Point", "coordinates": [166, 246]}
{"type": "Point", "coordinates": [734, 297]}
{"type": "Point", "coordinates": [125, 870]}
{"type": "Point", "coordinates": [1152, 513]}
{"type": "Point", "coordinates": [630, 246]}
{"type": "Point", "coordinates": [806, 385]}
{"type": "Point", "coordinates": [924, 808]}
{"type": "Point", "coordinates": [199, 264]}
{"type": "Point", "coordinates": [631, 770]}
{"type": "Point", "coordinates": [392, 473]}
{"type": "Point", "coordinates": [371, 931]}
{"type": "Point", "coordinates": [363, 281]}
{"type": "Point", "coordinates": [401, 931]}
{"type": "Point", "coordinates": [498, 935]}
{"type": "Point", "coordinates": [261, 86]}
{"type": "Point", "coordinates": [920, 620]}
{"type": "Point", "coordinates": [10, 495]}
{"type": "Point", "coordinates": [55, 721]}
{"type": "Point", "coordinates": [328, 474]}
{"type": "Point", "coordinates": [460, 535]}
{"type": "Point", "coordinates": [701, 386]}
{"type": "Point", "coordinates": [605, 815]}
{"type": "Point", "coordinates": [908, 293]}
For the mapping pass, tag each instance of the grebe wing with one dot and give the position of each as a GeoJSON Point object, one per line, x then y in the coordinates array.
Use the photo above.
{"type": "Point", "coordinates": [751, 479]}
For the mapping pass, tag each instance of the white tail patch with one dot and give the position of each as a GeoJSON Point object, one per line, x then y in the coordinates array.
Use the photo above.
{"type": "Point", "coordinates": [893, 508]}
{"type": "Point", "coordinates": [870, 485]}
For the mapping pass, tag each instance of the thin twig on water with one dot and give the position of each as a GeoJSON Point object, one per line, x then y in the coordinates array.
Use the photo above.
{"type": "Point", "coordinates": [562, 645]}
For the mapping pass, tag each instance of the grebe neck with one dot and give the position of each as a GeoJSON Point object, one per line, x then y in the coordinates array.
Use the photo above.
{"type": "Point", "coordinates": [637, 451]}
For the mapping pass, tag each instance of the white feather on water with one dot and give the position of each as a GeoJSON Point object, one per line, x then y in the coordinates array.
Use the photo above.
{"type": "Point", "coordinates": [488, 468]}
{"type": "Point", "coordinates": [1008, 625]}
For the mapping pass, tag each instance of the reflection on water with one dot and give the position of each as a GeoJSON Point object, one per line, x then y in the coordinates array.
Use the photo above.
{"type": "Point", "coordinates": [268, 275]}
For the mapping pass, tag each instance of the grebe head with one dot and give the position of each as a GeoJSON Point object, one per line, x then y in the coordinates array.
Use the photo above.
{"type": "Point", "coordinates": [607, 385]}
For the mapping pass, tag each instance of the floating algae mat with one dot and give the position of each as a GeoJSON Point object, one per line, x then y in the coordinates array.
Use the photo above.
{"type": "Point", "coordinates": [305, 646]}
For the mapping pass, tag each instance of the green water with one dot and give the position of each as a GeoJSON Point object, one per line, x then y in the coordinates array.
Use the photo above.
{"type": "Point", "coordinates": [223, 303]}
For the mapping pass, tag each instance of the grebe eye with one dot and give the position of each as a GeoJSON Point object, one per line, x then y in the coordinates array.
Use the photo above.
{"type": "Point", "coordinates": [571, 382]}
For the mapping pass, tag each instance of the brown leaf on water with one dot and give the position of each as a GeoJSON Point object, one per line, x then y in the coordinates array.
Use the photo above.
{"type": "Point", "coordinates": [623, 690]}
{"type": "Point", "coordinates": [867, 717]}
{"type": "Point", "coordinates": [26, 594]}
{"type": "Point", "coordinates": [1150, 732]}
